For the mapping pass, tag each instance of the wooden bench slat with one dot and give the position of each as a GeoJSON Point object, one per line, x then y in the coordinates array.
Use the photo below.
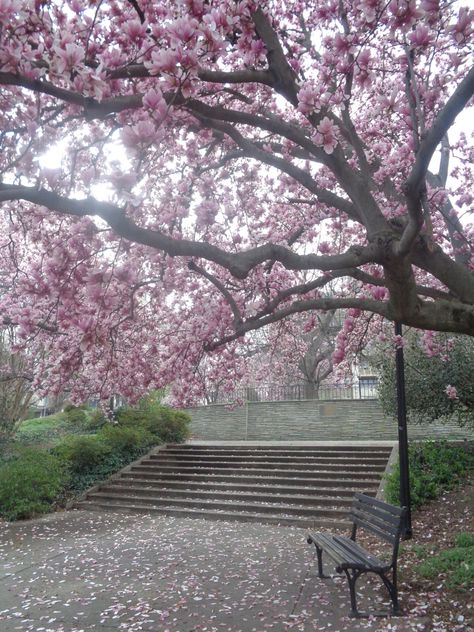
{"type": "Point", "coordinates": [389, 518]}
{"type": "Point", "coordinates": [371, 501]}
{"type": "Point", "coordinates": [343, 550]}
{"type": "Point", "coordinates": [355, 547]}
{"type": "Point", "coordinates": [390, 530]}
{"type": "Point", "coordinates": [341, 555]}
{"type": "Point", "coordinates": [325, 541]}
{"type": "Point", "coordinates": [374, 529]}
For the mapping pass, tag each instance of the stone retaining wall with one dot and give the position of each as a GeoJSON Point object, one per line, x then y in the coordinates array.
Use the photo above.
{"type": "Point", "coordinates": [307, 420]}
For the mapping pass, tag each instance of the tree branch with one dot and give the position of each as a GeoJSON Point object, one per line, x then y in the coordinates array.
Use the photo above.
{"type": "Point", "coordinates": [252, 150]}
{"type": "Point", "coordinates": [455, 104]}
{"type": "Point", "coordinates": [222, 289]}
{"type": "Point", "coordinates": [140, 13]}
{"type": "Point", "coordinates": [415, 183]}
{"type": "Point", "coordinates": [378, 307]}
{"type": "Point", "coordinates": [138, 71]}
{"type": "Point", "coordinates": [238, 264]}
{"type": "Point", "coordinates": [92, 107]}
{"type": "Point", "coordinates": [283, 73]}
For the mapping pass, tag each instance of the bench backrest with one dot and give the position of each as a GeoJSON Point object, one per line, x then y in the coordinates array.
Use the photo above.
{"type": "Point", "coordinates": [382, 519]}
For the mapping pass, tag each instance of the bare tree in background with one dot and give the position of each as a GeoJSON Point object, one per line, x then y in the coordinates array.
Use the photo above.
{"type": "Point", "coordinates": [316, 364]}
{"type": "Point", "coordinates": [15, 386]}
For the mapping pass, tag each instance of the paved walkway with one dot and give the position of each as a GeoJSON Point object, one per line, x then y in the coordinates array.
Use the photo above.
{"type": "Point", "coordinates": [81, 570]}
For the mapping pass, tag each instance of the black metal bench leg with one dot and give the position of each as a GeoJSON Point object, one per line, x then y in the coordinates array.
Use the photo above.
{"type": "Point", "coordinates": [319, 553]}
{"type": "Point", "coordinates": [352, 578]}
{"type": "Point", "coordinates": [393, 592]}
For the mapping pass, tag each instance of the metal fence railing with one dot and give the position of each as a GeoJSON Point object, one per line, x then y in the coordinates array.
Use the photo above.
{"type": "Point", "coordinates": [361, 389]}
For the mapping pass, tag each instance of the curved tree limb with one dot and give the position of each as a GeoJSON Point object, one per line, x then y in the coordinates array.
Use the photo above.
{"type": "Point", "coordinates": [415, 184]}
{"type": "Point", "coordinates": [378, 307]}
{"type": "Point", "coordinates": [238, 264]}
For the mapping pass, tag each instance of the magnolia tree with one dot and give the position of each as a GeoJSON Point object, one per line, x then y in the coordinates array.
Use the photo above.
{"type": "Point", "coordinates": [176, 174]}
{"type": "Point", "coordinates": [296, 350]}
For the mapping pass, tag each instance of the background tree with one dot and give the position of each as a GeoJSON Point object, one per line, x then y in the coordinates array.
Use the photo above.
{"type": "Point", "coordinates": [175, 175]}
{"type": "Point", "coordinates": [15, 387]}
{"type": "Point", "coordinates": [439, 377]}
{"type": "Point", "coordinates": [294, 351]}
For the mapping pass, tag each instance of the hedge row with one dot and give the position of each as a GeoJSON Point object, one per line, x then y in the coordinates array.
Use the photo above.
{"type": "Point", "coordinates": [36, 480]}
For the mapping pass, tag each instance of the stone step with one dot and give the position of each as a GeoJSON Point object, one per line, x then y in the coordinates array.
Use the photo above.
{"type": "Point", "coordinates": [379, 454]}
{"type": "Point", "coordinates": [188, 457]}
{"type": "Point", "coordinates": [270, 496]}
{"type": "Point", "coordinates": [341, 492]}
{"type": "Point", "coordinates": [365, 449]}
{"type": "Point", "coordinates": [234, 516]}
{"type": "Point", "coordinates": [274, 508]}
{"type": "Point", "coordinates": [367, 473]}
{"type": "Point", "coordinates": [267, 484]}
{"type": "Point", "coordinates": [326, 466]}
{"type": "Point", "coordinates": [277, 480]}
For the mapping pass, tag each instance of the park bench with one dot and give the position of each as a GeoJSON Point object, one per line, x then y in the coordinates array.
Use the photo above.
{"type": "Point", "coordinates": [379, 518]}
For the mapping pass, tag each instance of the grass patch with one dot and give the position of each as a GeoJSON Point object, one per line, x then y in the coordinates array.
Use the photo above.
{"type": "Point", "coordinates": [455, 565]}
{"type": "Point", "coordinates": [46, 431]}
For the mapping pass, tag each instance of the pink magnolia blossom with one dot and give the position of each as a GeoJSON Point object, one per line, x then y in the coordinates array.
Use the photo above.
{"type": "Point", "coordinates": [8, 10]}
{"type": "Point", "coordinates": [451, 392]}
{"type": "Point", "coordinates": [183, 29]}
{"type": "Point", "coordinates": [369, 9]}
{"type": "Point", "coordinates": [398, 342]}
{"type": "Point", "coordinates": [379, 293]}
{"type": "Point", "coordinates": [420, 37]}
{"type": "Point", "coordinates": [142, 132]}
{"type": "Point", "coordinates": [154, 100]}
{"type": "Point", "coordinates": [69, 56]}
{"type": "Point", "coordinates": [326, 136]}
{"type": "Point", "coordinates": [309, 99]}
{"type": "Point", "coordinates": [135, 30]}
{"type": "Point", "coordinates": [464, 27]}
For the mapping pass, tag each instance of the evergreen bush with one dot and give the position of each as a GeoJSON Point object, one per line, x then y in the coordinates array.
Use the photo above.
{"type": "Point", "coordinates": [75, 416]}
{"type": "Point", "coordinates": [82, 452]}
{"type": "Point", "coordinates": [434, 467]}
{"type": "Point", "coordinates": [126, 440]}
{"type": "Point", "coordinates": [30, 483]}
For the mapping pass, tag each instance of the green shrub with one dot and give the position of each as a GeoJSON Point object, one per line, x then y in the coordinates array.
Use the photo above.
{"type": "Point", "coordinates": [166, 424]}
{"type": "Point", "coordinates": [109, 465]}
{"type": "Point", "coordinates": [96, 420]}
{"type": "Point", "coordinates": [456, 564]}
{"type": "Point", "coordinates": [70, 407]}
{"type": "Point", "coordinates": [75, 416]}
{"type": "Point", "coordinates": [30, 483]}
{"type": "Point", "coordinates": [126, 439]}
{"type": "Point", "coordinates": [126, 416]}
{"type": "Point", "coordinates": [434, 467]}
{"type": "Point", "coordinates": [82, 452]}
{"type": "Point", "coordinates": [170, 426]}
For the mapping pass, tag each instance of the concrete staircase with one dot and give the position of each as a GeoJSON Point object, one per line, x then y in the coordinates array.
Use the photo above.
{"type": "Point", "coordinates": [304, 485]}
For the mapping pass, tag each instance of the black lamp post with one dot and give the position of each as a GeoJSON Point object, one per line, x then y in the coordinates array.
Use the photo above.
{"type": "Point", "coordinates": [403, 436]}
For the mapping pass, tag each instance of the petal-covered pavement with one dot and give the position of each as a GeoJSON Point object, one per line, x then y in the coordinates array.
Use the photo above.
{"type": "Point", "coordinates": [81, 570]}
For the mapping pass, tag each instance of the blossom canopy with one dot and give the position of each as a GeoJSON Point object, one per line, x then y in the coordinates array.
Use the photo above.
{"type": "Point", "coordinates": [176, 174]}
